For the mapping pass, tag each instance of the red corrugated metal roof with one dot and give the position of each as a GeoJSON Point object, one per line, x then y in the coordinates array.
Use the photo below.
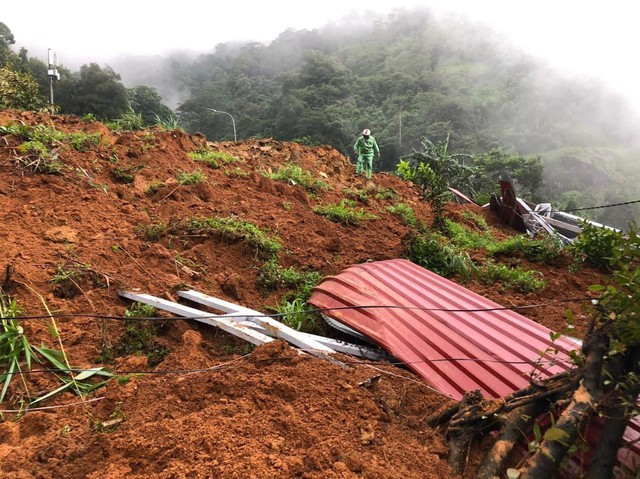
{"type": "Point", "coordinates": [494, 351]}
{"type": "Point", "coordinates": [454, 351]}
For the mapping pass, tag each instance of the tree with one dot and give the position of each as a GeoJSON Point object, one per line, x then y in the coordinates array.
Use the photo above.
{"type": "Point", "coordinates": [434, 170]}
{"type": "Point", "coordinates": [147, 102]}
{"type": "Point", "coordinates": [94, 90]}
{"type": "Point", "coordinates": [6, 39]}
{"type": "Point", "coordinates": [490, 167]}
{"type": "Point", "coordinates": [19, 90]}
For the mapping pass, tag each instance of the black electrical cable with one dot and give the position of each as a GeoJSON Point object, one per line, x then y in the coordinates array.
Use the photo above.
{"type": "Point", "coordinates": [276, 315]}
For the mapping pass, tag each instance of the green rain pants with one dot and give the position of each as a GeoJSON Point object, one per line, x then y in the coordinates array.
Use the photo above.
{"type": "Point", "coordinates": [364, 163]}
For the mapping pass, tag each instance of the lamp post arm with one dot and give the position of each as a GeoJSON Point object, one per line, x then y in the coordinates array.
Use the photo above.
{"type": "Point", "coordinates": [233, 122]}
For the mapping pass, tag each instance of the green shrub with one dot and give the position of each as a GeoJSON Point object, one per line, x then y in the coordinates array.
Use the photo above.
{"type": "Point", "coordinates": [476, 219]}
{"type": "Point", "coordinates": [434, 252]}
{"type": "Point", "coordinates": [598, 246]}
{"type": "Point", "coordinates": [465, 239]}
{"type": "Point", "coordinates": [344, 213]}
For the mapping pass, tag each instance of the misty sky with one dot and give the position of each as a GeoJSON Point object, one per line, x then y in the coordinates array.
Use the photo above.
{"type": "Point", "coordinates": [589, 37]}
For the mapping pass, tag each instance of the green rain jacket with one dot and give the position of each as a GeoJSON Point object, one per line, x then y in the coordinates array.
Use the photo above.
{"type": "Point", "coordinates": [366, 147]}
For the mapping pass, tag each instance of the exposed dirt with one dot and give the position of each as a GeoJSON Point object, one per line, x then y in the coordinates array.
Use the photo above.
{"type": "Point", "coordinates": [271, 413]}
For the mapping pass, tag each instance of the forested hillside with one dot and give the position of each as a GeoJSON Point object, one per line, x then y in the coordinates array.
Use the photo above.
{"type": "Point", "coordinates": [407, 77]}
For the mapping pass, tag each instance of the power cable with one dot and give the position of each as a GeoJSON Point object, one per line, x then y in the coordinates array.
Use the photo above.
{"type": "Point", "coordinates": [276, 315]}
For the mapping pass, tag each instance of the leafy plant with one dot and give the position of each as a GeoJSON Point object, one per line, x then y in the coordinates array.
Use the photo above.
{"type": "Point", "coordinates": [170, 123]}
{"type": "Point", "coordinates": [16, 351]}
{"type": "Point", "coordinates": [344, 213]}
{"type": "Point", "coordinates": [39, 158]}
{"type": "Point", "coordinates": [598, 246]}
{"type": "Point", "coordinates": [14, 345]}
{"type": "Point", "coordinates": [186, 178]}
{"type": "Point", "coordinates": [140, 335]}
{"type": "Point", "coordinates": [128, 121]}
{"type": "Point", "coordinates": [236, 228]}
{"type": "Point", "coordinates": [385, 193]}
{"type": "Point", "coordinates": [296, 315]}
{"type": "Point", "coordinates": [296, 175]}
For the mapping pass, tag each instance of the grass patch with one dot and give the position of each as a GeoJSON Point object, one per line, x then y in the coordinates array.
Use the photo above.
{"type": "Point", "coordinates": [151, 232]}
{"type": "Point", "coordinates": [544, 250]}
{"type": "Point", "coordinates": [140, 337]}
{"type": "Point", "coordinates": [126, 174]}
{"type": "Point", "coordinates": [154, 186]}
{"type": "Point", "coordinates": [213, 159]}
{"type": "Point", "coordinates": [434, 252]}
{"type": "Point", "coordinates": [185, 178]}
{"type": "Point", "coordinates": [297, 315]}
{"type": "Point", "coordinates": [344, 213]}
{"type": "Point", "coordinates": [406, 214]}
{"type": "Point", "coordinates": [272, 277]}
{"type": "Point", "coordinates": [512, 278]}
{"type": "Point", "coordinates": [476, 219]}
{"type": "Point", "coordinates": [237, 229]}
{"type": "Point", "coordinates": [296, 175]}
{"type": "Point", "coordinates": [461, 237]}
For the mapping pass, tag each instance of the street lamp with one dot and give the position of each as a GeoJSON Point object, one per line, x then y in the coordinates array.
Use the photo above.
{"type": "Point", "coordinates": [235, 138]}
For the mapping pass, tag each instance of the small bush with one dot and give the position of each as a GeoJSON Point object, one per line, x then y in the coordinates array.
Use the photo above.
{"type": "Point", "coordinates": [476, 219]}
{"type": "Point", "coordinates": [598, 246]}
{"type": "Point", "coordinates": [433, 251]}
{"type": "Point", "coordinates": [344, 213]}
{"type": "Point", "coordinates": [140, 337]}
{"type": "Point", "coordinates": [465, 239]}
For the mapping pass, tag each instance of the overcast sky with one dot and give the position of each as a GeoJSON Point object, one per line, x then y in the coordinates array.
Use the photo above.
{"type": "Point", "coordinates": [589, 37]}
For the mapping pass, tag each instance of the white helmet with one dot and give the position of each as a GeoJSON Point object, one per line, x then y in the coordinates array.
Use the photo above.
{"type": "Point", "coordinates": [366, 132]}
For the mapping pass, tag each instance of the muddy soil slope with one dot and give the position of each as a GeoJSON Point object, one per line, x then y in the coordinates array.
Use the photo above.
{"type": "Point", "coordinates": [119, 214]}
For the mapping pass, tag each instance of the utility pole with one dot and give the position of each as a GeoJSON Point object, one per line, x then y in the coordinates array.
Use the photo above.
{"type": "Point", "coordinates": [53, 75]}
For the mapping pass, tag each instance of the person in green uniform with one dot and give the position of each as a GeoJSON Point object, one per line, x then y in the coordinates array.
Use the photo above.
{"type": "Point", "coordinates": [365, 147]}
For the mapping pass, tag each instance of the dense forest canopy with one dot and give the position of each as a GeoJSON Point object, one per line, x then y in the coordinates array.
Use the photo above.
{"type": "Point", "coordinates": [407, 77]}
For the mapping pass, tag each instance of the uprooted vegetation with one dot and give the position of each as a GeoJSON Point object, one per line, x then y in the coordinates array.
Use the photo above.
{"type": "Point", "coordinates": [117, 214]}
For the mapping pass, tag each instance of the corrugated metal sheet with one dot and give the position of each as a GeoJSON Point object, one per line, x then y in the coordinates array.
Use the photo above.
{"type": "Point", "coordinates": [494, 351]}
{"type": "Point", "coordinates": [454, 351]}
